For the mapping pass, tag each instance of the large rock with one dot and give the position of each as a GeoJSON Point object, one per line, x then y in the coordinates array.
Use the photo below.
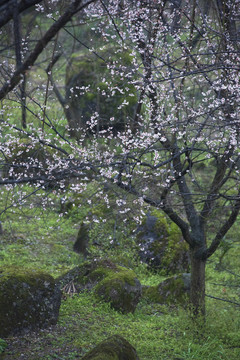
{"type": "Point", "coordinates": [105, 94]}
{"type": "Point", "coordinates": [161, 245]}
{"type": "Point", "coordinates": [113, 348]}
{"type": "Point", "coordinates": [113, 283]}
{"type": "Point", "coordinates": [28, 300]}
{"type": "Point", "coordinates": [121, 288]}
{"type": "Point", "coordinates": [174, 290]}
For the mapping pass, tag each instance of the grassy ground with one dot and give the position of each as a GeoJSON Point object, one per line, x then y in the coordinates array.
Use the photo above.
{"type": "Point", "coordinates": [44, 239]}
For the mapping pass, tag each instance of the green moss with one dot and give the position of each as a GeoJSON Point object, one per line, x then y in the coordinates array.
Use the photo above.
{"type": "Point", "coordinates": [90, 96]}
{"type": "Point", "coordinates": [162, 226]}
{"type": "Point", "coordinates": [29, 276]}
{"type": "Point", "coordinates": [121, 288]}
{"type": "Point", "coordinates": [101, 272]}
{"type": "Point", "coordinates": [170, 291]}
{"type": "Point", "coordinates": [77, 63]}
{"type": "Point", "coordinates": [170, 245]}
{"type": "Point", "coordinates": [151, 293]}
{"type": "Point", "coordinates": [111, 274]}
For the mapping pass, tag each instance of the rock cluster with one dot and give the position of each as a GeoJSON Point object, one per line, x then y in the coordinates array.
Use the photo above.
{"type": "Point", "coordinates": [113, 283]}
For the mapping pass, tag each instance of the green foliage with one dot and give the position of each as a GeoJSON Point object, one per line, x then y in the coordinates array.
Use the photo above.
{"type": "Point", "coordinates": [3, 345]}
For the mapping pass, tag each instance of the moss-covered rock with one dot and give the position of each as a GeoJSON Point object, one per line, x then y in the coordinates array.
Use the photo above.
{"type": "Point", "coordinates": [113, 283]}
{"type": "Point", "coordinates": [113, 348]}
{"type": "Point", "coordinates": [29, 300]}
{"type": "Point", "coordinates": [161, 245]}
{"type": "Point", "coordinates": [121, 288]}
{"type": "Point", "coordinates": [174, 290]}
{"type": "Point", "coordinates": [92, 88]}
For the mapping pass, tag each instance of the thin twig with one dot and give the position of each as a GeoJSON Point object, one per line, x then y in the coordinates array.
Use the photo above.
{"type": "Point", "coordinates": [225, 300]}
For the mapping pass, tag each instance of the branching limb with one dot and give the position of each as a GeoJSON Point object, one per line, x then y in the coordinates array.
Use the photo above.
{"type": "Point", "coordinates": [217, 183]}
{"type": "Point", "coordinates": [224, 229]}
{"type": "Point", "coordinates": [225, 300]}
{"type": "Point", "coordinates": [7, 10]}
{"type": "Point", "coordinates": [75, 7]}
{"type": "Point", "coordinates": [30, 135]}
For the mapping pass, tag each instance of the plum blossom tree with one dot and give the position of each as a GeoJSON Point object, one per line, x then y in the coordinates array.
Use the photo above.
{"type": "Point", "coordinates": [179, 151]}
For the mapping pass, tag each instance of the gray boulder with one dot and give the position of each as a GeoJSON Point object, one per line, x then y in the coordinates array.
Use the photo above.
{"type": "Point", "coordinates": [29, 300]}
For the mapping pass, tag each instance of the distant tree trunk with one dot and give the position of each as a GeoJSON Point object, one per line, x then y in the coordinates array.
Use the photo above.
{"type": "Point", "coordinates": [197, 293]}
{"type": "Point", "coordinates": [18, 52]}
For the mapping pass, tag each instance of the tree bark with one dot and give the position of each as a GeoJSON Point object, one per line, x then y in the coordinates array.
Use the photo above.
{"type": "Point", "coordinates": [197, 292]}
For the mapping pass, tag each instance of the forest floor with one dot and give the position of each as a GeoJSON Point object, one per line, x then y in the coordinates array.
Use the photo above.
{"type": "Point", "coordinates": [158, 332]}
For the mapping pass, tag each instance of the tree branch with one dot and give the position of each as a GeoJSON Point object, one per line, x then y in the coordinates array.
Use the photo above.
{"type": "Point", "coordinates": [224, 229]}
{"type": "Point", "coordinates": [41, 44]}
{"type": "Point", "coordinates": [217, 183]}
{"type": "Point", "coordinates": [59, 96]}
{"type": "Point", "coordinates": [184, 227]}
{"type": "Point", "coordinates": [39, 140]}
{"type": "Point", "coordinates": [226, 300]}
{"type": "Point", "coordinates": [7, 9]}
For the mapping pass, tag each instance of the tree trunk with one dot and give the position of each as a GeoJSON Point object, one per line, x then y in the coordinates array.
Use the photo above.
{"type": "Point", "coordinates": [197, 294]}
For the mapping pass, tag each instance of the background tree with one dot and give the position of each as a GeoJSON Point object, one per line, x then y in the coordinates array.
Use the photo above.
{"type": "Point", "coordinates": [181, 151]}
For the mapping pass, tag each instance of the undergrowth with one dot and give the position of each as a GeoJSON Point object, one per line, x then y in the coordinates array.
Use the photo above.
{"type": "Point", "coordinates": [44, 239]}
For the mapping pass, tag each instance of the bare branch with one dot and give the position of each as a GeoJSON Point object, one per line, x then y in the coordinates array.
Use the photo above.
{"type": "Point", "coordinates": [224, 229]}
{"type": "Point", "coordinates": [41, 44]}
{"type": "Point", "coordinates": [225, 300]}
{"type": "Point", "coordinates": [7, 9]}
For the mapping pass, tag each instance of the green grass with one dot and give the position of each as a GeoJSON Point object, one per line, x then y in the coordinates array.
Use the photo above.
{"type": "Point", "coordinates": [38, 238]}
{"type": "Point", "coordinates": [157, 332]}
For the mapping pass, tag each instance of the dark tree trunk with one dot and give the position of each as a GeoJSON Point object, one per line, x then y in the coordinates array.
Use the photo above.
{"type": "Point", "coordinates": [197, 294]}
